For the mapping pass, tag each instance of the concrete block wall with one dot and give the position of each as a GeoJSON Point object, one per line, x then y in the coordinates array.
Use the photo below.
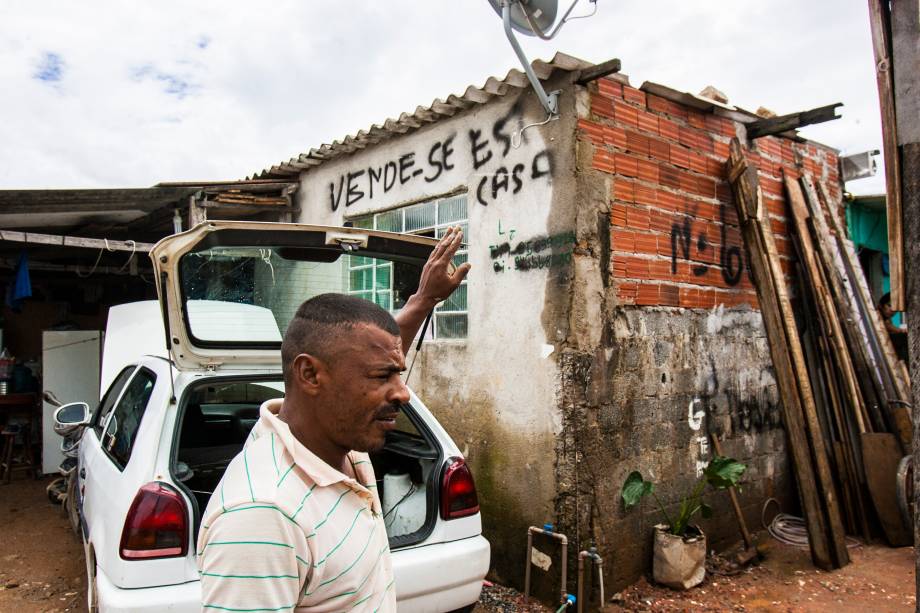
{"type": "Point", "coordinates": [682, 352]}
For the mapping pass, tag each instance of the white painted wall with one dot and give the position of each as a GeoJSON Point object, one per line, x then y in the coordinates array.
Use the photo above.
{"type": "Point", "coordinates": [507, 361]}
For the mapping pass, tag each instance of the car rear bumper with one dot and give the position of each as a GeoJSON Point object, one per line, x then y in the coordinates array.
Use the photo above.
{"type": "Point", "coordinates": [429, 579]}
{"type": "Point", "coordinates": [440, 577]}
{"type": "Point", "coordinates": [182, 598]}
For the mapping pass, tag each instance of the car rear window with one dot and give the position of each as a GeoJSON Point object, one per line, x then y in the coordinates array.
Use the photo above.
{"type": "Point", "coordinates": [248, 295]}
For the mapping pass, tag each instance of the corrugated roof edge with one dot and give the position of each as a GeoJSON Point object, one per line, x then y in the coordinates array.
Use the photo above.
{"type": "Point", "coordinates": [472, 96]}
{"type": "Point", "coordinates": [422, 116]}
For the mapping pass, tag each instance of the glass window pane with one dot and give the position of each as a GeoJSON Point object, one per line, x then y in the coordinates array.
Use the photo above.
{"type": "Point", "coordinates": [463, 226]}
{"type": "Point", "coordinates": [383, 300]}
{"type": "Point", "coordinates": [390, 221]}
{"type": "Point", "coordinates": [211, 280]}
{"type": "Point", "coordinates": [366, 223]}
{"type": "Point", "coordinates": [382, 281]}
{"type": "Point", "coordinates": [460, 258]}
{"type": "Point", "coordinates": [451, 326]}
{"type": "Point", "coordinates": [108, 402]}
{"type": "Point", "coordinates": [360, 279]}
{"type": "Point", "coordinates": [126, 419]}
{"type": "Point", "coordinates": [456, 301]}
{"type": "Point", "coordinates": [452, 209]}
{"type": "Point", "coordinates": [420, 216]}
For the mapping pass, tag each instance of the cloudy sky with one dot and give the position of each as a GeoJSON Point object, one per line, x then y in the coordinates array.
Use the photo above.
{"type": "Point", "coordinates": [106, 93]}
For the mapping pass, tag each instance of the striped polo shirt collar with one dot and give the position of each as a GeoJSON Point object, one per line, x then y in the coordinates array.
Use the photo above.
{"type": "Point", "coordinates": [317, 470]}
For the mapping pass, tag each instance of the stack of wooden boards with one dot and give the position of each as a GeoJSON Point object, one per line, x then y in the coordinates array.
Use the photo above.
{"type": "Point", "coordinates": [844, 392]}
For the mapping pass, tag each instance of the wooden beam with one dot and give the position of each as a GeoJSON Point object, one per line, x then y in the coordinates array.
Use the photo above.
{"type": "Point", "coordinates": [598, 71]}
{"type": "Point", "coordinates": [73, 241]}
{"type": "Point", "coordinates": [879, 23]}
{"type": "Point", "coordinates": [775, 125]}
{"type": "Point", "coordinates": [905, 51]}
{"type": "Point", "coordinates": [833, 345]}
{"type": "Point", "coordinates": [896, 391]}
{"type": "Point", "coordinates": [39, 201]}
{"type": "Point", "coordinates": [824, 301]}
{"type": "Point", "coordinates": [844, 291]}
{"type": "Point", "coordinates": [38, 266]}
{"type": "Point", "coordinates": [822, 514]}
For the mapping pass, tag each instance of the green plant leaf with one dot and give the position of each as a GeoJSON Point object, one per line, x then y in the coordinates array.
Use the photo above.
{"type": "Point", "coordinates": [705, 510]}
{"type": "Point", "coordinates": [722, 472]}
{"type": "Point", "coordinates": [634, 488]}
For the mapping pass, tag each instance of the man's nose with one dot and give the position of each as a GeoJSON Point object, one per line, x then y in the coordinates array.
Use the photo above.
{"type": "Point", "coordinates": [399, 393]}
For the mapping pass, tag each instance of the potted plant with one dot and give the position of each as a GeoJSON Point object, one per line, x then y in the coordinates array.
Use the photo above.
{"type": "Point", "coordinates": [679, 550]}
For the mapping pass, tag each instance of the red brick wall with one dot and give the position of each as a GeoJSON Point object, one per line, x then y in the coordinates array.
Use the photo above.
{"type": "Point", "coordinates": [674, 237]}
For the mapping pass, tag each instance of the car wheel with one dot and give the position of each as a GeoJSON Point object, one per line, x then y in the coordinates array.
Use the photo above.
{"type": "Point", "coordinates": [466, 609]}
{"type": "Point", "coordinates": [92, 598]}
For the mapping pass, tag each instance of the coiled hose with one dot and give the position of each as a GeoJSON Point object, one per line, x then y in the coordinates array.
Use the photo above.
{"type": "Point", "coordinates": [790, 529]}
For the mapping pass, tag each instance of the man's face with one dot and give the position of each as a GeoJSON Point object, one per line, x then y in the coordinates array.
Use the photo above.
{"type": "Point", "coordinates": [887, 311]}
{"type": "Point", "coordinates": [362, 390]}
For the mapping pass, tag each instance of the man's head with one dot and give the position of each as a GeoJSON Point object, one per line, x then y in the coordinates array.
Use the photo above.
{"type": "Point", "coordinates": [884, 305]}
{"type": "Point", "coordinates": [342, 358]}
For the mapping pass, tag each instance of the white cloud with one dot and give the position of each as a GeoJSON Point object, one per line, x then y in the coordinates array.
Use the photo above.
{"type": "Point", "coordinates": [172, 90]}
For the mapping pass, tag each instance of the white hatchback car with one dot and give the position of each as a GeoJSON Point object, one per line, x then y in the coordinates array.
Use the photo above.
{"type": "Point", "coordinates": [168, 424]}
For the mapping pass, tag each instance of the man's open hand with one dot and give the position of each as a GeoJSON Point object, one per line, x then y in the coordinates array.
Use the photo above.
{"type": "Point", "coordinates": [437, 283]}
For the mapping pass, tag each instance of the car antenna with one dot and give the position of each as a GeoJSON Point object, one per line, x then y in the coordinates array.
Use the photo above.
{"type": "Point", "coordinates": [418, 345]}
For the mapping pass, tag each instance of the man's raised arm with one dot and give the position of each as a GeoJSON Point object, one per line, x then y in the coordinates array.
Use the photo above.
{"type": "Point", "coordinates": [436, 284]}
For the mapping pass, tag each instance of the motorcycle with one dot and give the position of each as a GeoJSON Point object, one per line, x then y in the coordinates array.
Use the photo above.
{"type": "Point", "coordinates": [70, 420]}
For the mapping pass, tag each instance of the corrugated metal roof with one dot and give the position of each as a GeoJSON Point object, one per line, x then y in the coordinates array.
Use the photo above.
{"type": "Point", "coordinates": [440, 109]}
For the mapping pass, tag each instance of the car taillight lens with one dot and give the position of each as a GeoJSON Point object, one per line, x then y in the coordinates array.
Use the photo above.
{"type": "Point", "coordinates": [157, 524]}
{"type": "Point", "coordinates": [458, 492]}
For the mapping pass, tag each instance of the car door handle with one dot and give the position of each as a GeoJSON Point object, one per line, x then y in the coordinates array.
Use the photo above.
{"type": "Point", "coordinates": [83, 473]}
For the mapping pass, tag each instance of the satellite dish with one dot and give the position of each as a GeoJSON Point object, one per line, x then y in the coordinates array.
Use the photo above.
{"type": "Point", "coordinates": [542, 13]}
{"type": "Point", "coordinates": [534, 18]}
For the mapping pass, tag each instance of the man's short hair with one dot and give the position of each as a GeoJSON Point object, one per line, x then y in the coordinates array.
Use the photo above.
{"type": "Point", "coordinates": [885, 299]}
{"type": "Point", "coordinates": [318, 323]}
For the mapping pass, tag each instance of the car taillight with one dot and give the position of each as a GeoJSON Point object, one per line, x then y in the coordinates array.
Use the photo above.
{"type": "Point", "coordinates": [458, 492]}
{"type": "Point", "coordinates": [157, 524]}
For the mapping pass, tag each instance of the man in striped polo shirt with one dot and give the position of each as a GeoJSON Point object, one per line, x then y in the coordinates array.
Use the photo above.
{"type": "Point", "coordinates": [296, 523]}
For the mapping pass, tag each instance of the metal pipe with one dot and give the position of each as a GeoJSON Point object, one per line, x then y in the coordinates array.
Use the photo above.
{"type": "Point", "coordinates": [546, 530]}
{"type": "Point", "coordinates": [598, 561]}
{"type": "Point", "coordinates": [549, 102]}
{"type": "Point", "coordinates": [600, 578]}
{"type": "Point", "coordinates": [527, 564]}
{"type": "Point", "coordinates": [579, 600]}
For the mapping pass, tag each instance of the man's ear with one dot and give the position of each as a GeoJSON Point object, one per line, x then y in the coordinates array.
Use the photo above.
{"type": "Point", "coordinates": [307, 373]}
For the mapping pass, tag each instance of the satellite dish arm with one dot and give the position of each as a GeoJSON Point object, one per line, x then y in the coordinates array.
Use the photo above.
{"type": "Point", "coordinates": [536, 28]}
{"type": "Point", "coordinates": [550, 102]}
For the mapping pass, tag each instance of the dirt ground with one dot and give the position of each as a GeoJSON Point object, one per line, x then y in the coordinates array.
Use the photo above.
{"type": "Point", "coordinates": [41, 560]}
{"type": "Point", "coordinates": [878, 579]}
{"type": "Point", "coordinates": [41, 570]}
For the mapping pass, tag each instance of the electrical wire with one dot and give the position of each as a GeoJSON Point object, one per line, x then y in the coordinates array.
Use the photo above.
{"type": "Point", "coordinates": [412, 490]}
{"type": "Point", "coordinates": [110, 250]}
{"type": "Point", "coordinates": [791, 530]}
{"type": "Point", "coordinates": [96, 264]}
